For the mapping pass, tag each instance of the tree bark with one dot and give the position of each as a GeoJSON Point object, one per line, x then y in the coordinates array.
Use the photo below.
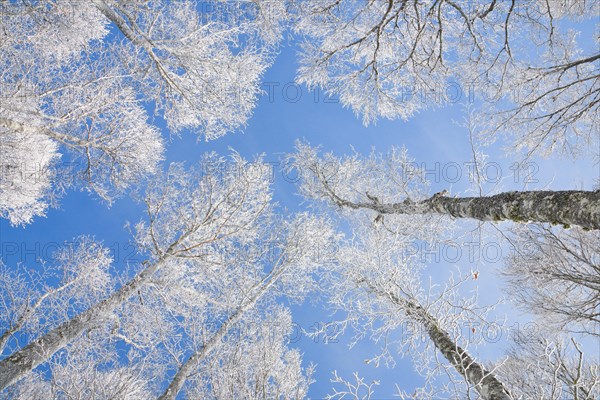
{"type": "Point", "coordinates": [488, 386]}
{"type": "Point", "coordinates": [566, 207]}
{"type": "Point", "coordinates": [484, 381]}
{"type": "Point", "coordinates": [41, 349]}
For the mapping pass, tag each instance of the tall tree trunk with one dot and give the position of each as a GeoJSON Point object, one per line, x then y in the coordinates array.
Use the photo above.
{"type": "Point", "coordinates": [186, 369]}
{"type": "Point", "coordinates": [485, 382]}
{"type": "Point", "coordinates": [566, 207]}
{"type": "Point", "coordinates": [18, 324]}
{"type": "Point", "coordinates": [41, 349]}
{"type": "Point", "coordinates": [488, 386]}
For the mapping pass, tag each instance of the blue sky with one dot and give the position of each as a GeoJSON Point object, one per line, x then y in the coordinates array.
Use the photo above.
{"type": "Point", "coordinates": [431, 137]}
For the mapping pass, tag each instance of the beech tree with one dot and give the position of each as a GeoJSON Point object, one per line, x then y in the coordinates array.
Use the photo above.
{"type": "Point", "coordinates": [196, 220]}
{"type": "Point", "coordinates": [383, 184]}
{"type": "Point", "coordinates": [393, 58]}
{"type": "Point", "coordinates": [82, 77]}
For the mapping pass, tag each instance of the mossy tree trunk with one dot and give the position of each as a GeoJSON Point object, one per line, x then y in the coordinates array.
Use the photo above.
{"type": "Point", "coordinates": [566, 207]}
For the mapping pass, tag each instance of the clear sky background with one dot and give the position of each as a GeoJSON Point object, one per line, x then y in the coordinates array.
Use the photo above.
{"type": "Point", "coordinates": [286, 114]}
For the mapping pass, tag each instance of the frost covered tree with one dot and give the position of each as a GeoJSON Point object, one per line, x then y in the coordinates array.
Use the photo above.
{"type": "Point", "coordinates": [198, 222]}
{"type": "Point", "coordinates": [379, 285]}
{"type": "Point", "coordinates": [201, 67]}
{"type": "Point", "coordinates": [556, 274]}
{"type": "Point", "coordinates": [356, 388]}
{"type": "Point", "coordinates": [379, 288]}
{"type": "Point", "coordinates": [253, 362]}
{"type": "Point", "coordinates": [285, 268]}
{"type": "Point", "coordinates": [82, 77]}
{"type": "Point", "coordinates": [36, 300]}
{"type": "Point", "coordinates": [548, 95]}
{"type": "Point", "coordinates": [393, 58]}
{"type": "Point", "coordinates": [549, 366]}
{"type": "Point", "coordinates": [86, 368]}
{"type": "Point", "coordinates": [384, 184]}
{"type": "Point", "coordinates": [536, 367]}
{"type": "Point", "coordinates": [26, 188]}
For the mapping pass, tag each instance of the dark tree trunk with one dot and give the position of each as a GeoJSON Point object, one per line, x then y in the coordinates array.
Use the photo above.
{"type": "Point", "coordinates": [566, 207]}
{"type": "Point", "coordinates": [484, 381]}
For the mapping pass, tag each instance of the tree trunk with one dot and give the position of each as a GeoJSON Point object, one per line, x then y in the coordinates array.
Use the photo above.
{"type": "Point", "coordinates": [486, 384]}
{"type": "Point", "coordinates": [566, 207]}
{"type": "Point", "coordinates": [41, 349]}
{"type": "Point", "coordinates": [186, 369]}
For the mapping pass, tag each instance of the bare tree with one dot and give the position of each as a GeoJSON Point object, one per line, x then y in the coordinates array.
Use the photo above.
{"type": "Point", "coordinates": [393, 58]}
{"type": "Point", "coordinates": [547, 366]}
{"type": "Point", "coordinates": [556, 274]}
